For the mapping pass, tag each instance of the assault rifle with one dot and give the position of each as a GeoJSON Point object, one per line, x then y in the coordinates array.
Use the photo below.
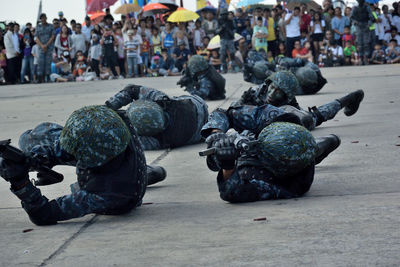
{"type": "Point", "coordinates": [45, 175]}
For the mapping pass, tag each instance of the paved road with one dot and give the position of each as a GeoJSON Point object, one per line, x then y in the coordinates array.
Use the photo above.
{"type": "Point", "coordinates": [350, 217]}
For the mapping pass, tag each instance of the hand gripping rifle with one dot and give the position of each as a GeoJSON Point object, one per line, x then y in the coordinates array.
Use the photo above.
{"type": "Point", "coordinates": [243, 144]}
{"type": "Point", "coordinates": [45, 175]}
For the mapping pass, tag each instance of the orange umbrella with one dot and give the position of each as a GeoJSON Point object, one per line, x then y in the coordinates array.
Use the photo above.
{"type": "Point", "coordinates": [154, 8]}
{"type": "Point", "coordinates": [97, 17]}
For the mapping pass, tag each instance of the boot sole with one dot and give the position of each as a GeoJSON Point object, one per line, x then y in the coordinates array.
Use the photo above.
{"type": "Point", "coordinates": [352, 111]}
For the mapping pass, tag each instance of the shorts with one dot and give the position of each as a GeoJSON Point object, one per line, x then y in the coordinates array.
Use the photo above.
{"type": "Point", "coordinates": [317, 37]}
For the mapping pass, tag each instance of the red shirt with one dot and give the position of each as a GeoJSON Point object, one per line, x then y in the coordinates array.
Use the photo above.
{"type": "Point", "coordinates": [302, 51]}
{"type": "Point", "coordinates": [145, 46]}
{"type": "Point", "coordinates": [305, 22]}
{"type": "Point", "coordinates": [64, 42]}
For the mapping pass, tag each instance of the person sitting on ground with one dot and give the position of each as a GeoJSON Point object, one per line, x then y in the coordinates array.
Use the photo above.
{"type": "Point", "coordinates": [202, 50]}
{"type": "Point", "coordinates": [63, 69]}
{"type": "Point", "coordinates": [167, 65]}
{"type": "Point", "coordinates": [324, 57]}
{"type": "Point", "coordinates": [337, 53]}
{"type": "Point", "coordinates": [215, 60]}
{"type": "Point", "coordinates": [393, 52]}
{"type": "Point", "coordinates": [303, 53]}
{"type": "Point", "coordinates": [154, 66]}
{"type": "Point", "coordinates": [181, 55]}
{"type": "Point", "coordinates": [378, 55]}
{"type": "Point", "coordinates": [393, 34]}
{"type": "Point", "coordinates": [350, 54]}
{"type": "Point", "coordinates": [80, 65]}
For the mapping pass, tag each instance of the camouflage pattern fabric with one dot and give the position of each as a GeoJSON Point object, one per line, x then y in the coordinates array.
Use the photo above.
{"type": "Point", "coordinates": [147, 117]}
{"type": "Point", "coordinates": [306, 77]}
{"type": "Point", "coordinates": [197, 64]}
{"type": "Point", "coordinates": [286, 148]}
{"type": "Point", "coordinates": [286, 81]}
{"type": "Point", "coordinates": [94, 135]}
{"type": "Point", "coordinates": [261, 70]}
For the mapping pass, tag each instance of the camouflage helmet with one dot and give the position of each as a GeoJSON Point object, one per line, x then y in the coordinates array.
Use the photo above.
{"type": "Point", "coordinates": [147, 117]}
{"type": "Point", "coordinates": [261, 70]}
{"type": "Point", "coordinates": [286, 81]}
{"type": "Point", "coordinates": [197, 64]}
{"type": "Point", "coordinates": [286, 148]}
{"type": "Point", "coordinates": [285, 62]}
{"type": "Point", "coordinates": [94, 135]}
{"type": "Point", "coordinates": [306, 77]}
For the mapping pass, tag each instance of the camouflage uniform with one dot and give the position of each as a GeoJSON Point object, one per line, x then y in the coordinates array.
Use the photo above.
{"type": "Point", "coordinates": [257, 68]}
{"type": "Point", "coordinates": [202, 79]}
{"type": "Point", "coordinates": [288, 84]}
{"type": "Point", "coordinates": [114, 188]}
{"type": "Point", "coordinates": [178, 122]}
{"type": "Point", "coordinates": [251, 179]}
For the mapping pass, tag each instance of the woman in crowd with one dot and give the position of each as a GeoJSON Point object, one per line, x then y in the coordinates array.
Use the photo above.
{"type": "Point", "coordinates": [63, 41]}
{"type": "Point", "coordinates": [27, 60]}
{"type": "Point", "coordinates": [317, 27]}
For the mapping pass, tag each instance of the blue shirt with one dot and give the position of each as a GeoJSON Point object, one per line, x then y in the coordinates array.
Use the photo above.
{"type": "Point", "coordinates": [339, 24]}
{"type": "Point", "coordinates": [185, 53]}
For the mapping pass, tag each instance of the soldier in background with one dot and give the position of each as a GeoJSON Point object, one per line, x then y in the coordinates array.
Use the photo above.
{"type": "Point", "coordinates": [110, 166]}
{"type": "Point", "coordinates": [257, 68]}
{"type": "Point", "coordinates": [161, 121]}
{"type": "Point", "coordinates": [203, 80]}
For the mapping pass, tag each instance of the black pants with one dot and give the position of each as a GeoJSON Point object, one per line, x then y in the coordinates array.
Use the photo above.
{"type": "Point", "coordinates": [95, 66]}
{"type": "Point", "coordinates": [121, 64]}
{"type": "Point", "coordinates": [290, 45]}
{"type": "Point", "coordinates": [12, 66]}
{"type": "Point", "coordinates": [272, 47]}
{"type": "Point", "coordinates": [111, 62]}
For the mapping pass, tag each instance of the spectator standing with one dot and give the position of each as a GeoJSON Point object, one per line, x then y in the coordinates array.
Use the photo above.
{"type": "Point", "coordinates": [271, 38]}
{"type": "Point", "coordinates": [156, 41]}
{"type": "Point", "coordinates": [210, 25]}
{"type": "Point", "coordinates": [347, 36]}
{"type": "Point", "coordinates": [132, 48]}
{"type": "Point", "coordinates": [95, 52]}
{"type": "Point", "coordinates": [109, 42]}
{"type": "Point", "coordinates": [317, 27]}
{"type": "Point", "coordinates": [87, 29]}
{"type": "Point", "coordinates": [63, 41]}
{"type": "Point", "coordinates": [27, 60]}
{"type": "Point", "coordinates": [362, 17]}
{"type": "Point", "coordinates": [226, 34]}
{"type": "Point", "coordinates": [45, 36]}
{"type": "Point", "coordinates": [260, 35]}
{"type": "Point", "coordinates": [120, 53]}
{"type": "Point", "coordinates": [79, 42]}
{"type": "Point", "coordinates": [281, 27]}
{"type": "Point", "coordinates": [197, 35]}
{"type": "Point", "coordinates": [239, 21]}
{"type": "Point", "coordinates": [292, 21]}
{"type": "Point", "coordinates": [167, 38]}
{"type": "Point", "coordinates": [35, 54]}
{"type": "Point", "coordinates": [3, 63]}
{"type": "Point", "coordinates": [145, 52]}
{"type": "Point", "coordinates": [337, 25]}
{"type": "Point", "coordinates": [328, 16]}
{"type": "Point", "coordinates": [247, 33]}
{"type": "Point", "coordinates": [305, 18]}
{"type": "Point", "coordinates": [12, 53]}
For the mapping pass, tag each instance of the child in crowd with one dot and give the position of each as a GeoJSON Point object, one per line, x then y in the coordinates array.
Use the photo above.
{"type": "Point", "coordinates": [337, 53]}
{"type": "Point", "coordinates": [63, 69]}
{"type": "Point", "coordinates": [95, 52]}
{"type": "Point", "coordinates": [303, 53]}
{"type": "Point", "coordinates": [80, 65]}
{"type": "Point", "coordinates": [270, 57]}
{"type": "Point", "coordinates": [202, 50]}
{"type": "Point", "coordinates": [197, 35]}
{"type": "Point", "coordinates": [303, 38]}
{"type": "Point", "coordinates": [3, 63]}
{"type": "Point", "coordinates": [324, 57]}
{"type": "Point", "coordinates": [145, 52]}
{"type": "Point", "coordinates": [131, 47]}
{"type": "Point", "coordinates": [393, 52]}
{"type": "Point", "coordinates": [155, 41]}
{"type": "Point", "coordinates": [167, 65]}
{"type": "Point", "coordinates": [260, 35]}
{"type": "Point", "coordinates": [350, 54]}
{"type": "Point", "coordinates": [214, 60]}
{"type": "Point", "coordinates": [378, 55]}
{"type": "Point", "coordinates": [35, 54]}
{"type": "Point", "coordinates": [347, 36]}
{"type": "Point", "coordinates": [155, 65]}
{"type": "Point", "coordinates": [282, 50]}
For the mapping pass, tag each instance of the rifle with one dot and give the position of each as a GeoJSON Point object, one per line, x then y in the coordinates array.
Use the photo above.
{"type": "Point", "coordinates": [45, 175]}
{"type": "Point", "coordinates": [242, 144]}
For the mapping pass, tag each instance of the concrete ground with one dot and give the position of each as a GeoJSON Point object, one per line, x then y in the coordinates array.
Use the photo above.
{"type": "Point", "coordinates": [350, 217]}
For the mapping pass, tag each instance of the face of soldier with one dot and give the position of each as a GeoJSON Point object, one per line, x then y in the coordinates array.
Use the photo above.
{"type": "Point", "coordinates": [275, 96]}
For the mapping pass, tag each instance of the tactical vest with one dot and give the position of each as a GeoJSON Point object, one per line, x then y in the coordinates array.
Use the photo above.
{"type": "Point", "coordinates": [372, 27]}
{"type": "Point", "coordinates": [182, 123]}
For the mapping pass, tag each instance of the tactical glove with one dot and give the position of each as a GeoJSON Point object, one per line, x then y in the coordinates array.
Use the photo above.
{"type": "Point", "coordinates": [15, 173]}
{"type": "Point", "coordinates": [226, 153]}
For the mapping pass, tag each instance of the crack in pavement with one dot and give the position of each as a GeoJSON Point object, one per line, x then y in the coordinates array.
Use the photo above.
{"type": "Point", "coordinates": [86, 225]}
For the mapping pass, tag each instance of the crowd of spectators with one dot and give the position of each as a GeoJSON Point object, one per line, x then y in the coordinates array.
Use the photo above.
{"type": "Point", "coordinates": [63, 50]}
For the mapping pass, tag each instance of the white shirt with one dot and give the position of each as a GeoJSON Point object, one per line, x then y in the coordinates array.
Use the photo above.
{"type": "Point", "coordinates": [396, 22]}
{"type": "Point", "coordinates": [317, 28]}
{"type": "Point", "coordinates": [293, 28]}
{"type": "Point", "coordinates": [34, 52]}
{"type": "Point", "coordinates": [385, 22]}
{"type": "Point", "coordinates": [15, 39]}
{"type": "Point", "coordinates": [86, 31]}
{"type": "Point", "coordinates": [78, 43]}
{"type": "Point", "coordinates": [388, 37]}
{"type": "Point", "coordinates": [336, 51]}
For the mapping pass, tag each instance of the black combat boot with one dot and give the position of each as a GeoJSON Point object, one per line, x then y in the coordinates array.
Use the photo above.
{"type": "Point", "coordinates": [326, 145]}
{"type": "Point", "coordinates": [155, 174]}
{"type": "Point", "coordinates": [351, 102]}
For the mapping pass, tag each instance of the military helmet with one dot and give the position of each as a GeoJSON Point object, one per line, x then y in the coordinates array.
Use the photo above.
{"type": "Point", "coordinates": [147, 117]}
{"type": "Point", "coordinates": [261, 70]}
{"type": "Point", "coordinates": [197, 64]}
{"type": "Point", "coordinates": [306, 77]}
{"type": "Point", "coordinates": [286, 148]}
{"type": "Point", "coordinates": [94, 135]}
{"type": "Point", "coordinates": [286, 62]}
{"type": "Point", "coordinates": [286, 81]}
